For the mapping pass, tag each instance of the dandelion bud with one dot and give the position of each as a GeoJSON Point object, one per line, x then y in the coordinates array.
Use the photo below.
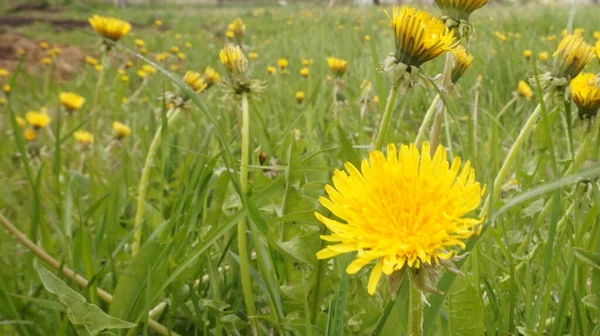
{"type": "Point", "coordinates": [462, 62]}
{"type": "Point", "coordinates": [120, 130]}
{"type": "Point", "coordinates": [527, 54]}
{"type": "Point", "coordinates": [573, 54]}
{"type": "Point", "coordinates": [283, 64]}
{"type": "Point", "coordinates": [271, 70]}
{"type": "Point", "coordinates": [233, 59]}
{"type": "Point", "coordinates": [304, 72]}
{"type": "Point", "coordinates": [524, 90]}
{"type": "Point", "coordinates": [543, 56]}
{"type": "Point", "coordinates": [299, 97]}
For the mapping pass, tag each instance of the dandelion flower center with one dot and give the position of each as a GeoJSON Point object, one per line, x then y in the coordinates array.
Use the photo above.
{"type": "Point", "coordinates": [406, 209]}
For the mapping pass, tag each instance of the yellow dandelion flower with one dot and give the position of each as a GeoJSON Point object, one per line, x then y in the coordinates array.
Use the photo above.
{"type": "Point", "coordinates": [282, 63]}
{"type": "Point", "coordinates": [598, 50]}
{"type": "Point", "coordinates": [91, 61]}
{"type": "Point", "coordinates": [143, 51]}
{"type": "Point", "coordinates": [6, 88]}
{"type": "Point", "coordinates": [83, 137]}
{"type": "Point", "coordinates": [158, 23]}
{"type": "Point", "coordinates": [181, 56]}
{"type": "Point", "coordinates": [110, 28]}
{"type": "Point", "coordinates": [527, 54]}
{"type": "Point", "coordinates": [4, 72]}
{"type": "Point", "coordinates": [524, 90]}
{"type": "Point", "coordinates": [195, 80]}
{"type": "Point", "coordinates": [543, 56]}
{"type": "Point", "coordinates": [139, 43]}
{"type": "Point", "coordinates": [459, 9]}
{"type": "Point", "coordinates": [337, 66]}
{"type": "Point", "coordinates": [586, 94]}
{"type": "Point", "coordinates": [44, 45]}
{"type": "Point", "coordinates": [299, 97]}
{"type": "Point", "coordinates": [178, 36]}
{"type": "Point", "coordinates": [29, 135]}
{"type": "Point", "coordinates": [229, 34]}
{"type": "Point", "coordinates": [124, 78]}
{"type": "Point", "coordinates": [128, 64]}
{"type": "Point", "coordinates": [46, 60]}
{"type": "Point", "coordinates": [211, 76]}
{"type": "Point", "coordinates": [367, 38]}
{"type": "Point", "coordinates": [37, 120]}
{"type": "Point", "coordinates": [573, 54]}
{"type": "Point", "coordinates": [419, 36]}
{"type": "Point", "coordinates": [98, 67]}
{"type": "Point", "coordinates": [120, 130]}
{"type": "Point", "coordinates": [551, 38]}
{"type": "Point", "coordinates": [462, 62]}
{"type": "Point", "coordinates": [142, 74]}
{"type": "Point", "coordinates": [188, 45]}
{"type": "Point", "coordinates": [406, 210]}
{"type": "Point", "coordinates": [161, 57]}
{"type": "Point", "coordinates": [306, 62]}
{"type": "Point", "coordinates": [271, 70]}
{"type": "Point", "coordinates": [21, 52]}
{"type": "Point", "coordinates": [252, 55]}
{"type": "Point", "coordinates": [149, 69]}
{"type": "Point", "coordinates": [304, 72]}
{"type": "Point", "coordinates": [597, 35]}
{"type": "Point", "coordinates": [3, 101]}
{"type": "Point", "coordinates": [174, 49]}
{"type": "Point", "coordinates": [71, 101]}
{"type": "Point", "coordinates": [500, 36]}
{"type": "Point", "coordinates": [21, 122]}
{"type": "Point", "coordinates": [237, 27]}
{"type": "Point", "coordinates": [233, 59]}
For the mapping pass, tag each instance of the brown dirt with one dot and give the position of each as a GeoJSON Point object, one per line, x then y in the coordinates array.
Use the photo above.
{"type": "Point", "coordinates": [70, 60]}
{"type": "Point", "coordinates": [16, 21]}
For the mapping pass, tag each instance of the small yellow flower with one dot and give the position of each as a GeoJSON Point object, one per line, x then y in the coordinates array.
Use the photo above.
{"type": "Point", "coordinates": [178, 36]}
{"type": "Point", "coordinates": [149, 69]}
{"type": "Point", "coordinates": [419, 36]}
{"type": "Point", "coordinates": [462, 62]}
{"type": "Point", "coordinates": [573, 54]}
{"type": "Point", "coordinates": [299, 97]}
{"type": "Point", "coordinates": [174, 49]}
{"type": "Point", "coordinates": [21, 52]}
{"type": "Point", "coordinates": [304, 72]}
{"type": "Point", "coordinates": [551, 38]}
{"type": "Point", "coordinates": [37, 120]}
{"type": "Point", "coordinates": [376, 99]}
{"type": "Point", "coordinates": [459, 9]}
{"type": "Point", "coordinates": [47, 60]}
{"type": "Point", "coordinates": [271, 70]}
{"type": "Point", "coordinates": [367, 38]}
{"type": "Point", "coordinates": [500, 36]}
{"type": "Point", "coordinates": [160, 57]}
{"type": "Point", "coordinates": [128, 64]}
{"type": "Point", "coordinates": [527, 54]}
{"type": "Point", "coordinates": [21, 122]}
{"type": "Point", "coordinates": [158, 23]}
{"type": "Point", "coordinates": [195, 80]}
{"type": "Point", "coordinates": [98, 67]}
{"type": "Point", "coordinates": [54, 52]}
{"type": "Point", "coordinates": [252, 55]}
{"type": "Point", "coordinates": [71, 101]}
{"type": "Point", "coordinates": [83, 137]}
{"type": "Point", "coordinates": [44, 45]}
{"type": "Point", "coordinates": [181, 56]}
{"type": "Point", "coordinates": [110, 28]}
{"type": "Point", "coordinates": [282, 63]}
{"type": "Point", "coordinates": [524, 90]}
{"type": "Point", "coordinates": [120, 130]}
{"type": "Point", "coordinates": [188, 45]}
{"type": "Point", "coordinates": [543, 56]}
{"type": "Point", "coordinates": [229, 34]}
{"type": "Point", "coordinates": [306, 62]}
{"type": "Point", "coordinates": [143, 51]}
{"type": "Point", "coordinates": [142, 74]}
{"type": "Point", "coordinates": [211, 76]}
{"type": "Point", "coordinates": [597, 35]}
{"type": "Point", "coordinates": [29, 135]}
{"type": "Point", "coordinates": [267, 42]}
{"type": "Point", "coordinates": [4, 72]}
{"type": "Point", "coordinates": [139, 43]}
{"type": "Point", "coordinates": [237, 27]}
{"type": "Point", "coordinates": [91, 61]}
{"type": "Point", "coordinates": [124, 78]}
{"type": "Point", "coordinates": [598, 50]}
{"type": "Point", "coordinates": [289, 22]}
{"type": "Point", "coordinates": [404, 210]}
{"type": "Point", "coordinates": [337, 65]}
{"type": "Point", "coordinates": [586, 94]}
{"type": "Point", "coordinates": [6, 88]}
{"type": "Point", "coordinates": [233, 59]}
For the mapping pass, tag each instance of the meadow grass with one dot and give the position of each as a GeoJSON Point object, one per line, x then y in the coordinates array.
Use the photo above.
{"type": "Point", "coordinates": [532, 271]}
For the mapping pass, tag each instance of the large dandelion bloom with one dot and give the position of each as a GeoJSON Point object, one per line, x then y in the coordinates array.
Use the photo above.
{"type": "Point", "coordinates": [573, 54]}
{"type": "Point", "coordinates": [71, 101]}
{"type": "Point", "coordinates": [110, 28]}
{"type": "Point", "coordinates": [337, 66]}
{"type": "Point", "coordinates": [460, 9]}
{"type": "Point", "coordinates": [406, 210]}
{"type": "Point", "coordinates": [586, 94]}
{"type": "Point", "coordinates": [419, 36]}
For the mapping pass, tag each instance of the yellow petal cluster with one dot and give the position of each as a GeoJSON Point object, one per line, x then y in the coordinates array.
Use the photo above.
{"type": "Point", "coordinates": [462, 62]}
{"type": "Point", "coordinates": [195, 80]}
{"type": "Point", "coordinates": [299, 97]}
{"type": "Point", "coordinates": [120, 130]}
{"type": "Point", "coordinates": [71, 101]}
{"type": "Point", "coordinates": [337, 65]}
{"type": "Point", "coordinates": [233, 59]}
{"type": "Point", "coordinates": [406, 209]}
{"type": "Point", "coordinates": [524, 90]}
{"type": "Point", "coordinates": [586, 94]}
{"type": "Point", "coordinates": [573, 54]}
{"type": "Point", "coordinates": [37, 120]}
{"type": "Point", "coordinates": [109, 27]}
{"type": "Point", "coordinates": [83, 137]}
{"type": "Point", "coordinates": [419, 36]}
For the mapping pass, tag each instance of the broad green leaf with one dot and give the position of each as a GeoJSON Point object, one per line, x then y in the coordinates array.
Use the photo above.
{"type": "Point", "coordinates": [88, 318]}
{"type": "Point", "coordinates": [465, 309]}
{"type": "Point", "coordinates": [129, 296]}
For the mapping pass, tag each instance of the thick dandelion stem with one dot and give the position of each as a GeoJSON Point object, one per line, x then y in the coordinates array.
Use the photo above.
{"type": "Point", "coordinates": [415, 310]}
{"type": "Point", "coordinates": [387, 115]}
{"type": "Point", "coordinates": [172, 115]}
{"type": "Point", "coordinates": [99, 83]}
{"type": "Point", "coordinates": [511, 156]}
{"type": "Point", "coordinates": [435, 105]}
{"type": "Point", "coordinates": [69, 273]}
{"type": "Point", "coordinates": [242, 225]}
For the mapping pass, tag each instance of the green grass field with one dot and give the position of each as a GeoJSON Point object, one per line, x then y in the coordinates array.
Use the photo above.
{"type": "Point", "coordinates": [533, 269]}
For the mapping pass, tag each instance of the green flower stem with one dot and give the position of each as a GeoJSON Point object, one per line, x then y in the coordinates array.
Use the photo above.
{"type": "Point", "coordinates": [427, 119]}
{"type": "Point", "coordinates": [387, 115]}
{"type": "Point", "coordinates": [99, 84]}
{"type": "Point", "coordinates": [242, 225]}
{"type": "Point", "coordinates": [172, 115]}
{"type": "Point", "coordinates": [81, 281]}
{"type": "Point", "coordinates": [415, 310]}
{"type": "Point", "coordinates": [513, 152]}
{"type": "Point", "coordinates": [439, 116]}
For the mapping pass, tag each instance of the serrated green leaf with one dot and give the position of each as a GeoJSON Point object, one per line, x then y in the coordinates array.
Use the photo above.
{"type": "Point", "coordinates": [87, 318]}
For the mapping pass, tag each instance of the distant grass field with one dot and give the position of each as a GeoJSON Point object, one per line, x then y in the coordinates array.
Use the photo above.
{"type": "Point", "coordinates": [532, 271]}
